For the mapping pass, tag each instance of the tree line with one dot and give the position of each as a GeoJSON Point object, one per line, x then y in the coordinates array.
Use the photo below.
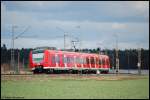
{"type": "Point", "coordinates": [128, 58]}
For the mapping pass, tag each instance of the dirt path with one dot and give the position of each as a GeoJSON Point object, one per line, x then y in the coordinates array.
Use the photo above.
{"type": "Point", "coordinates": [69, 76]}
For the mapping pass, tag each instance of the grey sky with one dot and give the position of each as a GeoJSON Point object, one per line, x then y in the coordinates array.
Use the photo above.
{"type": "Point", "coordinates": [93, 22]}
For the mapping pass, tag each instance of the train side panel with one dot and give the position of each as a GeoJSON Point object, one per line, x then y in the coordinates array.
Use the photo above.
{"type": "Point", "coordinates": [71, 60]}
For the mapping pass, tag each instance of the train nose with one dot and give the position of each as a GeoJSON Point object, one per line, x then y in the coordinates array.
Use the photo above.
{"type": "Point", "coordinates": [38, 69]}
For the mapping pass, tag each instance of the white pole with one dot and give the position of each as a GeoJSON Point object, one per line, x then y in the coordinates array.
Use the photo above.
{"type": "Point", "coordinates": [18, 63]}
{"type": "Point", "coordinates": [139, 61]}
{"type": "Point", "coordinates": [12, 51]}
{"type": "Point", "coordinates": [117, 59]}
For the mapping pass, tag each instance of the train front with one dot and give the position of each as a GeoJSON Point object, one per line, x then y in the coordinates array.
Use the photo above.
{"type": "Point", "coordinates": [36, 59]}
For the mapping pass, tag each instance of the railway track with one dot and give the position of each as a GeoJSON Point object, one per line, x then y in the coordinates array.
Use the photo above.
{"type": "Point", "coordinates": [43, 74]}
{"type": "Point", "coordinates": [46, 77]}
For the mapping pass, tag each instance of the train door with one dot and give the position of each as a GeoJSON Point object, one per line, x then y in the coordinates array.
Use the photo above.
{"type": "Point", "coordinates": [68, 57]}
{"type": "Point", "coordinates": [84, 61]}
{"type": "Point", "coordinates": [88, 62]}
{"type": "Point", "coordinates": [53, 62]}
{"type": "Point", "coordinates": [57, 60]}
{"type": "Point", "coordinates": [104, 62]}
{"type": "Point", "coordinates": [81, 61]}
{"type": "Point", "coordinates": [78, 61]}
{"type": "Point", "coordinates": [65, 61]}
{"type": "Point", "coordinates": [71, 60]}
{"type": "Point", "coordinates": [100, 62]}
{"type": "Point", "coordinates": [61, 60]}
{"type": "Point", "coordinates": [46, 61]}
{"type": "Point", "coordinates": [92, 62]}
{"type": "Point", "coordinates": [75, 64]}
{"type": "Point", "coordinates": [97, 62]}
{"type": "Point", "coordinates": [107, 63]}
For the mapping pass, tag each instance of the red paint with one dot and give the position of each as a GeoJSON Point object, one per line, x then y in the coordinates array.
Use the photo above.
{"type": "Point", "coordinates": [49, 60]}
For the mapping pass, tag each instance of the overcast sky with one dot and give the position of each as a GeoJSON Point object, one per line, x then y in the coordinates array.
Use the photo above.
{"type": "Point", "coordinates": [93, 23]}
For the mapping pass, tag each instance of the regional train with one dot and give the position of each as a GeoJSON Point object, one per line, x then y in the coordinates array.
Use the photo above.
{"type": "Point", "coordinates": [49, 60]}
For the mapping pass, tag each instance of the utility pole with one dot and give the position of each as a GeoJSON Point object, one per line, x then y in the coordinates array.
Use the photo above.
{"type": "Point", "coordinates": [128, 61]}
{"type": "Point", "coordinates": [23, 63]}
{"type": "Point", "coordinates": [12, 50]}
{"type": "Point", "coordinates": [13, 44]}
{"type": "Point", "coordinates": [73, 45]}
{"type": "Point", "coordinates": [65, 34]}
{"type": "Point", "coordinates": [117, 59]}
{"type": "Point", "coordinates": [65, 41]}
{"type": "Point", "coordinates": [113, 63]}
{"type": "Point", "coordinates": [139, 61]}
{"type": "Point", "coordinates": [18, 63]}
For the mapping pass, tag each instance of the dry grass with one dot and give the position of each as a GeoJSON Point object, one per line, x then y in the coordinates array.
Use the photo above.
{"type": "Point", "coordinates": [6, 69]}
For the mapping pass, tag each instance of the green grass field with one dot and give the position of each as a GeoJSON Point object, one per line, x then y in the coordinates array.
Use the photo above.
{"type": "Point", "coordinates": [47, 87]}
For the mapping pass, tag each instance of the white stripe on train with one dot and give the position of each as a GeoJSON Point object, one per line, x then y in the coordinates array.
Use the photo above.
{"type": "Point", "coordinates": [73, 68]}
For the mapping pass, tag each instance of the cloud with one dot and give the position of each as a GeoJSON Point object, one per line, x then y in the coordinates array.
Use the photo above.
{"type": "Point", "coordinates": [35, 6]}
{"type": "Point", "coordinates": [3, 15]}
{"type": "Point", "coordinates": [118, 26]}
{"type": "Point", "coordinates": [96, 11]}
{"type": "Point", "coordinates": [98, 21]}
{"type": "Point", "coordinates": [141, 6]}
{"type": "Point", "coordinates": [33, 42]}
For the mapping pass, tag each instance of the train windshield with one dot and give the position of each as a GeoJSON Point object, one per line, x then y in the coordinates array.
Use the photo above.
{"type": "Point", "coordinates": [37, 55]}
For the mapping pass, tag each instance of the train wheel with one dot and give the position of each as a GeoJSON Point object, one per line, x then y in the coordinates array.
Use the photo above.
{"type": "Point", "coordinates": [48, 71]}
{"type": "Point", "coordinates": [106, 72]}
{"type": "Point", "coordinates": [101, 72]}
{"type": "Point", "coordinates": [83, 71]}
{"type": "Point", "coordinates": [70, 71]}
{"type": "Point", "coordinates": [34, 71]}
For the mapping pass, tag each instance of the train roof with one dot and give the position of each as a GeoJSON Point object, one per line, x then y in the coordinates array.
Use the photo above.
{"type": "Point", "coordinates": [45, 48]}
{"type": "Point", "coordinates": [79, 53]}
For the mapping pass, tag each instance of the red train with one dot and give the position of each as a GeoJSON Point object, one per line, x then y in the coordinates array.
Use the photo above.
{"type": "Point", "coordinates": [46, 60]}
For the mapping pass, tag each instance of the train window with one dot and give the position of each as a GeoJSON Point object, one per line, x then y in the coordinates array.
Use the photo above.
{"type": "Point", "coordinates": [65, 59]}
{"type": "Point", "coordinates": [81, 60]}
{"type": "Point", "coordinates": [103, 61]}
{"type": "Point", "coordinates": [57, 59]}
{"type": "Point", "coordinates": [84, 61]}
{"type": "Point", "coordinates": [38, 57]}
{"type": "Point", "coordinates": [53, 60]}
{"type": "Point", "coordinates": [74, 60]}
{"type": "Point", "coordinates": [71, 60]}
{"type": "Point", "coordinates": [107, 62]}
{"type": "Point", "coordinates": [77, 59]}
{"type": "Point", "coordinates": [87, 60]}
{"type": "Point", "coordinates": [100, 61]}
{"type": "Point", "coordinates": [97, 61]}
{"type": "Point", "coordinates": [62, 59]}
{"type": "Point", "coordinates": [92, 60]}
{"type": "Point", "coordinates": [68, 60]}
{"type": "Point", "coordinates": [37, 51]}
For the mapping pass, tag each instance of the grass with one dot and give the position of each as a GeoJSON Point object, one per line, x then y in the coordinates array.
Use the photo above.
{"type": "Point", "coordinates": [75, 88]}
